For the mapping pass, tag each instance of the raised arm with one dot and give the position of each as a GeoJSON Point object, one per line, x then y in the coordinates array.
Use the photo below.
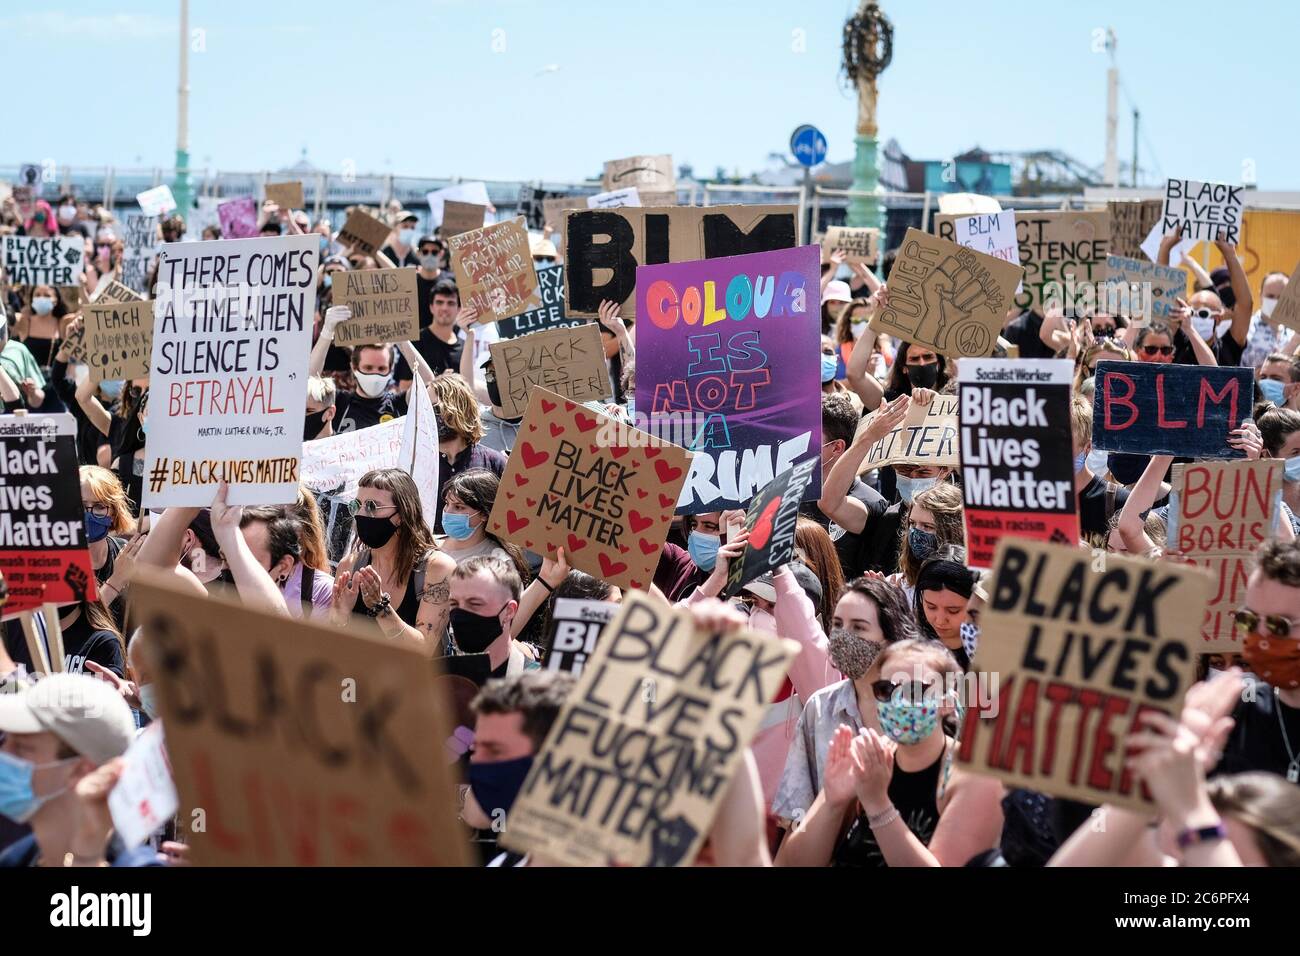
{"type": "Point", "coordinates": [333, 316]}
{"type": "Point", "coordinates": [95, 412]}
{"type": "Point", "coordinates": [1243, 304]}
{"type": "Point", "coordinates": [857, 373]}
{"type": "Point", "coordinates": [256, 589]}
{"type": "Point", "coordinates": [1140, 499]}
{"type": "Point", "coordinates": [539, 590]}
{"type": "Point", "coordinates": [467, 319]}
{"type": "Point", "coordinates": [835, 503]}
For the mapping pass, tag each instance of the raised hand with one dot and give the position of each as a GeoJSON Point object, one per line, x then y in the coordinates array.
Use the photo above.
{"type": "Point", "coordinates": [889, 417]}
{"type": "Point", "coordinates": [837, 777]}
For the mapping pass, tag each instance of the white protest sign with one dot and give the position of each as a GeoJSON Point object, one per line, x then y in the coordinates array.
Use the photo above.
{"type": "Point", "coordinates": [1202, 210]}
{"type": "Point", "coordinates": [157, 201]}
{"type": "Point", "coordinates": [45, 260]}
{"type": "Point", "coordinates": [145, 795]}
{"type": "Point", "coordinates": [992, 233]}
{"type": "Point", "coordinates": [615, 198]}
{"type": "Point", "coordinates": [228, 390]}
{"type": "Point", "coordinates": [334, 465]}
{"type": "Point", "coordinates": [420, 448]}
{"type": "Point", "coordinates": [461, 192]}
{"type": "Point", "coordinates": [1151, 246]}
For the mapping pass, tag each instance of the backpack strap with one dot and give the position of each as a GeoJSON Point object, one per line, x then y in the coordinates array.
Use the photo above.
{"type": "Point", "coordinates": [1112, 491]}
{"type": "Point", "coordinates": [308, 580]}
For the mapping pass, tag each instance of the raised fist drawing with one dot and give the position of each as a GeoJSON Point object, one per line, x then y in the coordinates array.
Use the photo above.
{"type": "Point", "coordinates": [952, 293]}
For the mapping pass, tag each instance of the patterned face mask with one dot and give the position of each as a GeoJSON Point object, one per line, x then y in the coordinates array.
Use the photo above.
{"type": "Point", "coordinates": [970, 637]}
{"type": "Point", "coordinates": [851, 655]}
{"type": "Point", "coordinates": [906, 722]}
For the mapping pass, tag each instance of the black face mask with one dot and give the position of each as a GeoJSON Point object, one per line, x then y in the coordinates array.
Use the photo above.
{"type": "Point", "coordinates": [923, 376]}
{"type": "Point", "coordinates": [313, 425]}
{"type": "Point", "coordinates": [494, 396]}
{"type": "Point", "coordinates": [446, 433]}
{"type": "Point", "coordinates": [474, 632]}
{"type": "Point", "coordinates": [374, 532]}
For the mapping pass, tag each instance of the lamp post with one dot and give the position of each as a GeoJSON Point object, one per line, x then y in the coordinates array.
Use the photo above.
{"type": "Point", "coordinates": [868, 48]}
{"type": "Point", "coordinates": [181, 184]}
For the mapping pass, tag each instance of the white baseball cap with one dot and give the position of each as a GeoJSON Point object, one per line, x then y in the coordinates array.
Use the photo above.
{"type": "Point", "coordinates": [837, 291]}
{"type": "Point", "coordinates": [84, 712]}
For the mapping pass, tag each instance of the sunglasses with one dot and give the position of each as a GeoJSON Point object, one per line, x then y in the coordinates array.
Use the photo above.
{"type": "Point", "coordinates": [1104, 332]}
{"type": "Point", "coordinates": [911, 691]}
{"type": "Point", "coordinates": [1203, 314]}
{"type": "Point", "coordinates": [1157, 350]}
{"type": "Point", "coordinates": [1248, 622]}
{"type": "Point", "coordinates": [371, 508]}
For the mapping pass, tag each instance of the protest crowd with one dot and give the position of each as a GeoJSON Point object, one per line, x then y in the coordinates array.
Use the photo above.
{"type": "Point", "coordinates": [565, 568]}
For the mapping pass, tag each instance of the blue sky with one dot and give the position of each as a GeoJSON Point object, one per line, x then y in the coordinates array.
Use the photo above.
{"type": "Point", "coordinates": [522, 89]}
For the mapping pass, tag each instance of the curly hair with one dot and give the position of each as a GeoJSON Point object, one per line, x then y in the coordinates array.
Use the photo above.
{"type": "Point", "coordinates": [945, 503]}
{"type": "Point", "coordinates": [458, 408]}
{"type": "Point", "coordinates": [1279, 561]}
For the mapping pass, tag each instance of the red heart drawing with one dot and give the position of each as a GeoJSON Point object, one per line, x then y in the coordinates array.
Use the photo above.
{"type": "Point", "coordinates": [652, 451]}
{"type": "Point", "coordinates": [532, 428]}
{"type": "Point", "coordinates": [520, 480]}
{"type": "Point", "coordinates": [548, 406]}
{"type": "Point", "coordinates": [595, 449]}
{"type": "Point", "coordinates": [509, 495]}
{"type": "Point", "coordinates": [619, 451]}
{"type": "Point", "coordinates": [514, 522]}
{"type": "Point", "coordinates": [576, 543]}
{"type": "Point", "coordinates": [642, 493]}
{"type": "Point", "coordinates": [568, 406]}
{"type": "Point", "coordinates": [532, 457]}
{"type": "Point", "coordinates": [528, 544]}
{"type": "Point", "coordinates": [665, 501]}
{"type": "Point", "coordinates": [624, 548]}
{"type": "Point", "coordinates": [763, 526]}
{"type": "Point", "coordinates": [647, 547]}
{"type": "Point", "coordinates": [584, 423]}
{"type": "Point", "coordinates": [665, 471]}
{"type": "Point", "coordinates": [550, 547]}
{"type": "Point", "coordinates": [638, 522]}
{"type": "Point", "coordinates": [610, 568]}
{"type": "Point", "coordinates": [637, 584]}
{"type": "Point", "coordinates": [532, 502]}
{"type": "Point", "coordinates": [556, 430]}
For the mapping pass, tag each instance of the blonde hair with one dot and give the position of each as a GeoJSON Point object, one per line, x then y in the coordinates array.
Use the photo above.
{"type": "Point", "coordinates": [458, 408]}
{"type": "Point", "coordinates": [320, 390]}
{"type": "Point", "coordinates": [312, 533]}
{"type": "Point", "coordinates": [945, 503]}
{"type": "Point", "coordinates": [1091, 352]}
{"type": "Point", "coordinates": [109, 491]}
{"type": "Point", "coordinates": [1081, 421]}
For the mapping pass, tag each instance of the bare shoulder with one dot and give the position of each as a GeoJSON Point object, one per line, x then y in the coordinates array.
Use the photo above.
{"type": "Point", "coordinates": [439, 566]}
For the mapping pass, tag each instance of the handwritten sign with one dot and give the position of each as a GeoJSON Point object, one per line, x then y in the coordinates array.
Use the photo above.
{"type": "Point", "coordinates": [157, 201]}
{"type": "Point", "coordinates": [44, 260]}
{"type": "Point", "coordinates": [139, 245]}
{"type": "Point", "coordinates": [232, 332]}
{"type": "Point", "coordinates": [333, 466]}
{"type": "Point", "coordinates": [1153, 288]}
{"type": "Point", "coordinates": [614, 199]}
{"type": "Point", "coordinates": [569, 362]}
{"type": "Point", "coordinates": [144, 797]}
{"type": "Point", "coordinates": [458, 217]}
{"type": "Point", "coordinates": [1146, 408]}
{"type": "Point", "coordinates": [1202, 210]}
{"type": "Point", "coordinates": [926, 436]}
{"type": "Point", "coordinates": [1219, 514]}
{"type": "Point", "coordinates": [494, 270]}
{"type": "Point", "coordinates": [1287, 310]}
{"type": "Point", "coordinates": [114, 291]}
{"type": "Point", "coordinates": [286, 195]}
{"type": "Point", "coordinates": [1130, 221]}
{"type": "Point", "coordinates": [860, 245]}
{"type": "Point", "coordinates": [584, 804]}
{"type": "Point", "coordinates": [383, 303]}
{"type": "Point", "coordinates": [475, 192]}
{"type": "Point", "coordinates": [363, 232]}
{"type": "Point", "coordinates": [551, 315]}
{"type": "Point", "coordinates": [771, 520]}
{"type": "Point", "coordinates": [1079, 656]}
{"type": "Point", "coordinates": [118, 339]}
{"type": "Point", "coordinates": [238, 218]}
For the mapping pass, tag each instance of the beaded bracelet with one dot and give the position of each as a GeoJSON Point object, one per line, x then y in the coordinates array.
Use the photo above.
{"type": "Point", "coordinates": [884, 818]}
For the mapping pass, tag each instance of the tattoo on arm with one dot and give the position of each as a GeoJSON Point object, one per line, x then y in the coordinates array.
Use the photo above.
{"type": "Point", "coordinates": [437, 593]}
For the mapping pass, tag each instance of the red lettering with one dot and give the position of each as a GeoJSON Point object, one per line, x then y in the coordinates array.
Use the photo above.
{"type": "Point", "coordinates": [206, 797]}
{"type": "Point", "coordinates": [1021, 743]}
{"type": "Point", "coordinates": [1059, 695]}
{"type": "Point", "coordinates": [1160, 405]}
{"type": "Point", "coordinates": [1230, 391]}
{"type": "Point", "coordinates": [1099, 776]}
{"type": "Point", "coordinates": [1111, 399]}
{"type": "Point", "coordinates": [1088, 699]}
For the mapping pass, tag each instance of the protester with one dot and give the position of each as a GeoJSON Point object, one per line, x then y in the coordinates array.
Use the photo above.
{"type": "Point", "coordinates": [1264, 337]}
{"type": "Point", "coordinates": [125, 427]}
{"type": "Point", "coordinates": [400, 248]}
{"type": "Point", "coordinates": [484, 597]}
{"type": "Point", "coordinates": [460, 437]}
{"type": "Point", "coordinates": [934, 522]}
{"type": "Point", "coordinates": [943, 589]}
{"type": "Point", "coordinates": [467, 501]}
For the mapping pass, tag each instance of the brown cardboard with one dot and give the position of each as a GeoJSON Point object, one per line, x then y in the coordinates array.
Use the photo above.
{"type": "Point", "coordinates": [1287, 310]}
{"type": "Point", "coordinates": [494, 270]}
{"type": "Point", "coordinates": [286, 195]}
{"type": "Point", "coordinates": [554, 209]}
{"type": "Point", "coordinates": [114, 291]}
{"type": "Point", "coordinates": [458, 217]}
{"type": "Point", "coordinates": [1071, 653]}
{"type": "Point", "coordinates": [384, 304]}
{"type": "Point", "coordinates": [926, 436]}
{"type": "Point", "coordinates": [604, 492]}
{"type": "Point", "coordinates": [296, 744]}
{"type": "Point", "coordinates": [1130, 223]}
{"type": "Point", "coordinates": [861, 245]}
{"type": "Point", "coordinates": [118, 339]}
{"type": "Point", "coordinates": [668, 689]}
{"type": "Point", "coordinates": [949, 298]}
{"type": "Point", "coordinates": [364, 233]}
{"type": "Point", "coordinates": [646, 173]}
{"type": "Point", "coordinates": [568, 361]}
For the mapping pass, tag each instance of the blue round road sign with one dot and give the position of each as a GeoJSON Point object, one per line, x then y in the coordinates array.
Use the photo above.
{"type": "Point", "coordinates": [808, 145]}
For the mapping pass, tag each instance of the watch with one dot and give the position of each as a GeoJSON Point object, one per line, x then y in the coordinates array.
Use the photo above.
{"type": "Point", "coordinates": [1194, 835]}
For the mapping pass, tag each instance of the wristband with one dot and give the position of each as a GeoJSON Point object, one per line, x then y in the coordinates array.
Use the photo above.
{"type": "Point", "coordinates": [378, 609]}
{"type": "Point", "coordinates": [884, 818]}
{"type": "Point", "coordinates": [543, 583]}
{"type": "Point", "coordinates": [1194, 835]}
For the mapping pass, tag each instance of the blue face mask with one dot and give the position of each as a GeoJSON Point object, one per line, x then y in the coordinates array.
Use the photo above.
{"type": "Point", "coordinates": [324, 245]}
{"type": "Point", "coordinates": [1273, 390]}
{"type": "Point", "coordinates": [497, 784]}
{"type": "Point", "coordinates": [906, 722]}
{"type": "Point", "coordinates": [327, 282]}
{"type": "Point", "coordinates": [1291, 471]}
{"type": "Point", "coordinates": [829, 365]}
{"type": "Point", "coordinates": [97, 527]}
{"type": "Point", "coordinates": [703, 549]}
{"type": "Point", "coordinates": [111, 389]}
{"type": "Point", "coordinates": [457, 525]}
{"type": "Point", "coordinates": [909, 488]}
{"type": "Point", "coordinates": [17, 801]}
{"type": "Point", "coordinates": [921, 543]}
{"type": "Point", "coordinates": [1080, 460]}
{"type": "Point", "coordinates": [144, 428]}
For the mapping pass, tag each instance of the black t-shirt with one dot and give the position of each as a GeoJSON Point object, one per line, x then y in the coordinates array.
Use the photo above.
{"type": "Point", "coordinates": [126, 438]}
{"type": "Point", "coordinates": [440, 355]}
{"type": "Point", "coordinates": [1257, 741]}
{"type": "Point", "coordinates": [353, 411]}
{"type": "Point", "coordinates": [81, 643]}
{"type": "Point", "coordinates": [424, 295]}
{"type": "Point", "coordinates": [1093, 506]}
{"type": "Point", "coordinates": [410, 259]}
{"type": "Point", "coordinates": [1024, 332]}
{"type": "Point", "coordinates": [881, 539]}
{"type": "Point", "coordinates": [1226, 351]}
{"type": "Point", "coordinates": [851, 548]}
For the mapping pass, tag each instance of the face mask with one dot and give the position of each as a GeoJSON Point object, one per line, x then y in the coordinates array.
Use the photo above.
{"type": "Point", "coordinates": [921, 543]}
{"type": "Point", "coordinates": [1080, 460]}
{"type": "Point", "coordinates": [923, 376]}
{"type": "Point", "coordinates": [67, 214]}
{"type": "Point", "coordinates": [1267, 305]}
{"type": "Point", "coordinates": [857, 328]}
{"type": "Point", "coordinates": [970, 637]}
{"type": "Point", "coordinates": [1098, 462]}
{"type": "Point", "coordinates": [17, 801]}
{"type": "Point", "coordinates": [851, 655]}
{"type": "Point", "coordinates": [148, 700]}
{"type": "Point", "coordinates": [313, 424]}
{"type": "Point", "coordinates": [429, 262]}
{"type": "Point", "coordinates": [111, 389]}
{"type": "Point", "coordinates": [1274, 660]}
{"type": "Point", "coordinates": [1291, 470]}
{"type": "Point", "coordinates": [703, 549]}
{"type": "Point", "coordinates": [828, 367]}
{"type": "Point", "coordinates": [1273, 390]}
{"type": "Point", "coordinates": [906, 722]}
{"type": "Point", "coordinates": [909, 488]}
{"type": "Point", "coordinates": [97, 527]}
{"type": "Point", "coordinates": [763, 621]}
{"type": "Point", "coordinates": [374, 532]}
{"type": "Point", "coordinates": [42, 305]}
{"type": "Point", "coordinates": [1204, 327]}
{"type": "Point", "coordinates": [497, 784]}
{"type": "Point", "coordinates": [474, 632]}
{"type": "Point", "coordinates": [324, 245]}
{"type": "Point", "coordinates": [457, 525]}
{"type": "Point", "coordinates": [144, 427]}
{"type": "Point", "coordinates": [406, 237]}
{"type": "Point", "coordinates": [371, 385]}
{"type": "Point", "coordinates": [327, 281]}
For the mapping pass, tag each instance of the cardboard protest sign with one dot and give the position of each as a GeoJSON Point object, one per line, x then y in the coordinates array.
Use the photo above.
{"type": "Point", "coordinates": [553, 210]}
{"type": "Point", "coordinates": [285, 195]}
{"type": "Point", "coordinates": [43, 552]}
{"type": "Point", "coordinates": [1061, 252]}
{"type": "Point", "coordinates": [1148, 290]}
{"type": "Point", "coordinates": [1220, 512]}
{"type": "Point", "coordinates": [384, 306]}
{"type": "Point", "coordinates": [139, 245]}
{"type": "Point", "coordinates": [614, 199]}
{"type": "Point", "coordinates": [1202, 210]}
{"type": "Point", "coordinates": [458, 217]}
{"type": "Point", "coordinates": [1017, 462]}
{"type": "Point", "coordinates": [118, 339]}
{"type": "Point", "coordinates": [604, 247]}
{"type": "Point", "coordinates": [926, 436]}
{"type": "Point", "coordinates": [332, 467]}
{"type": "Point", "coordinates": [475, 192]}
{"type": "Point", "coordinates": [1078, 656]}
{"type": "Point", "coordinates": [861, 245]}
{"type": "Point", "coordinates": [573, 632]}
{"type": "Point", "coordinates": [551, 315]}
{"type": "Point", "coordinates": [532, 205]}
{"type": "Point", "coordinates": [1130, 221]}
{"type": "Point", "coordinates": [731, 346]}
{"type": "Point", "coordinates": [420, 449]}
{"type": "Point", "coordinates": [494, 270]}
{"type": "Point", "coordinates": [144, 797]}
{"type": "Point", "coordinates": [44, 260]}
{"type": "Point", "coordinates": [303, 745]}
{"type": "Point", "coordinates": [363, 232]}
{"type": "Point", "coordinates": [992, 233]}
{"type": "Point", "coordinates": [569, 362]}
{"type": "Point", "coordinates": [586, 802]}
{"type": "Point", "coordinates": [1187, 411]}
{"type": "Point", "coordinates": [228, 375]}
{"type": "Point", "coordinates": [1287, 310]}
{"type": "Point", "coordinates": [238, 218]}
{"type": "Point", "coordinates": [157, 201]}
{"type": "Point", "coordinates": [771, 521]}
{"type": "Point", "coordinates": [947, 297]}
{"type": "Point", "coordinates": [111, 290]}
{"type": "Point", "coordinates": [604, 492]}
{"type": "Point", "coordinates": [647, 173]}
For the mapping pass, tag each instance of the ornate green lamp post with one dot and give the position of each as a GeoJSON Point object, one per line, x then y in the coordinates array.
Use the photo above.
{"type": "Point", "coordinates": [868, 48]}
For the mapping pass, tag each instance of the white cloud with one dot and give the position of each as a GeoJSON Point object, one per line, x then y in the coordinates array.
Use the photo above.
{"type": "Point", "coordinates": [120, 26]}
